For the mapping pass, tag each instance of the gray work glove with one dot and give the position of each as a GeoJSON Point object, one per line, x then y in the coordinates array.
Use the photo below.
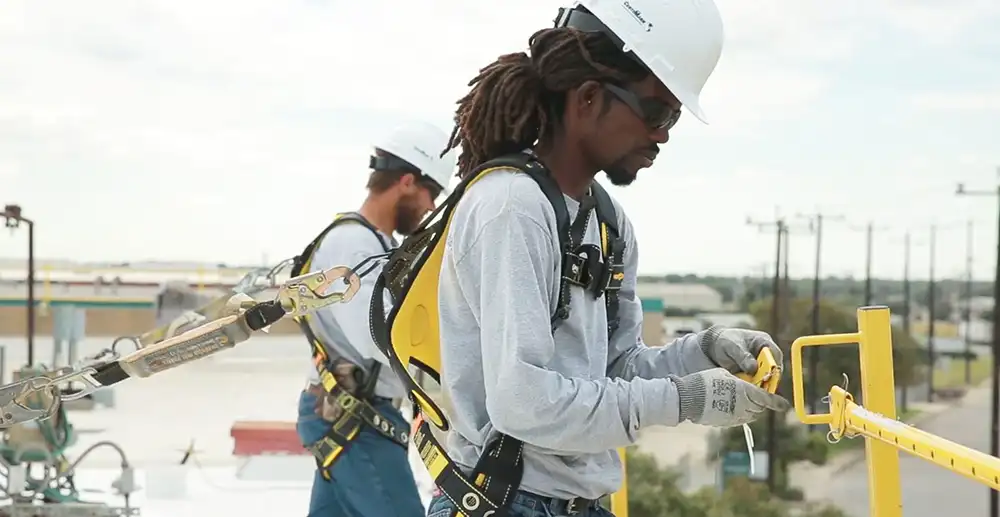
{"type": "Point", "coordinates": [718, 398]}
{"type": "Point", "coordinates": [736, 350]}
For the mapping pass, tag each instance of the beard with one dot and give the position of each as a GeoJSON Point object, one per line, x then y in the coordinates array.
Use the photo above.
{"type": "Point", "coordinates": [624, 171]}
{"type": "Point", "coordinates": [619, 175]}
{"type": "Point", "coordinates": [408, 216]}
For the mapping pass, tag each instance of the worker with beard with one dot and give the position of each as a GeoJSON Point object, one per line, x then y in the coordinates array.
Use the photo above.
{"type": "Point", "coordinates": [540, 324]}
{"type": "Point", "coordinates": [348, 413]}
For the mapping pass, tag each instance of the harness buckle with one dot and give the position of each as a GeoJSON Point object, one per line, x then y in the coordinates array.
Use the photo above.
{"type": "Point", "coordinates": [575, 269]}
{"type": "Point", "coordinates": [614, 277]}
{"type": "Point", "coordinates": [579, 267]}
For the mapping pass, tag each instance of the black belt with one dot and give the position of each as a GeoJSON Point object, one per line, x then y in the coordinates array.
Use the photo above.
{"type": "Point", "coordinates": [574, 506]}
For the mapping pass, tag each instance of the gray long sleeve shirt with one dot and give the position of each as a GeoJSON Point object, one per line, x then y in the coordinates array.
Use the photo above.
{"type": "Point", "coordinates": [571, 396]}
{"type": "Point", "coordinates": [344, 327]}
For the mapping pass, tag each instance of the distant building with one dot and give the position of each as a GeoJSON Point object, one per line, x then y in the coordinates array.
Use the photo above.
{"type": "Point", "coordinates": [980, 331]}
{"type": "Point", "coordinates": [674, 327]}
{"type": "Point", "coordinates": [978, 304]}
{"type": "Point", "coordinates": [660, 296]}
{"type": "Point", "coordinates": [952, 347]}
{"type": "Point", "coordinates": [687, 297]}
{"type": "Point", "coordinates": [176, 298]}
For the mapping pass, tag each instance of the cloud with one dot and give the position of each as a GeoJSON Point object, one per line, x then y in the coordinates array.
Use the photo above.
{"type": "Point", "coordinates": [743, 96]}
{"type": "Point", "coordinates": [978, 101]}
{"type": "Point", "coordinates": [168, 123]}
{"type": "Point", "coordinates": [791, 31]}
{"type": "Point", "coordinates": [9, 171]}
{"type": "Point", "coordinates": [942, 23]}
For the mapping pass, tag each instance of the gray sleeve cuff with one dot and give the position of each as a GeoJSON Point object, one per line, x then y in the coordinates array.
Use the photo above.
{"type": "Point", "coordinates": [708, 338]}
{"type": "Point", "coordinates": [691, 393]}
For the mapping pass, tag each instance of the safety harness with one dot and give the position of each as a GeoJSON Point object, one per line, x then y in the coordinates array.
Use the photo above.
{"type": "Point", "coordinates": [348, 388]}
{"type": "Point", "coordinates": [410, 335]}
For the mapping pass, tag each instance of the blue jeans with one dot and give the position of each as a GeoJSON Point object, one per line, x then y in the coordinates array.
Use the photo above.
{"type": "Point", "coordinates": [524, 505]}
{"type": "Point", "coordinates": [372, 478]}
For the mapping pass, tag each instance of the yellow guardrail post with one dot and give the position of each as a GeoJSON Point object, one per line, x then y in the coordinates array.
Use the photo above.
{"type": "Point", "coordinates": [43, 306]}
{"type": "Point", "coordinates": [619, 499]}
{"type": "Point", "coordinates": [874, 339]}
{"type": "Point", "coordinates": [879, 396]}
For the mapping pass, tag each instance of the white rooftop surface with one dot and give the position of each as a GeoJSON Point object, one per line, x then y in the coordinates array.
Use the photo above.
{"type": "Point", "coordinates": [212, 491]}
{"type": "Point", "coordinates": [155, 419]}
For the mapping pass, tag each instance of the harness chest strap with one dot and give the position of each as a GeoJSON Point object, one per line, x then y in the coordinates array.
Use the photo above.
{"type": "Point", "coordinates": [353, 410]}
{"type": "Point", "coordinates": [497, 474]}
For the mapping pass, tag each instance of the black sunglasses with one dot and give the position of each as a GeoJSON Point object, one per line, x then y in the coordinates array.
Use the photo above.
{"type": "Point", "coordinates": [654, 112]}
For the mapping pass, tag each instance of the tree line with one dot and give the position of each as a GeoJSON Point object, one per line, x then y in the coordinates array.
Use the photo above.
{"type": "Point", "coordinates": [744, 291]}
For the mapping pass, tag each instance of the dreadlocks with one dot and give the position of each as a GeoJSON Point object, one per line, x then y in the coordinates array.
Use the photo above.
{"type": "Point", "coordinates": [519, 100]}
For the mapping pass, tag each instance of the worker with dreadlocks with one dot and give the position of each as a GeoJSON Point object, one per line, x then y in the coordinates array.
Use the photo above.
{"type": "Point", "coordinates": [348, 412]}
{"type": "Point", "coordinates": [599, 92]}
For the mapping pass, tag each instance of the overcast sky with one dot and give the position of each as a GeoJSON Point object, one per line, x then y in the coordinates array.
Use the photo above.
{"type": "Point", "coordinates": [231, 130]}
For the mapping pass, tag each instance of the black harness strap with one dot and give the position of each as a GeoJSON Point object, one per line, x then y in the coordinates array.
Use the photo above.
{"type": "Point", "coordinates": [613, 268]}
{"type": "Point", "coordinates": [599, 269]}
{"type": "Point", "coordinates": [349, 404]}
{"type": "Point", "coordinates": [487, 492]}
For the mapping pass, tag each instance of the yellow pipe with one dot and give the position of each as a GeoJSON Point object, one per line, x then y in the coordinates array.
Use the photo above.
{"type": "Point", "coordinates": [619, 499]}
{"type": "Point", "coordinates": [877, 422]}
{"type": "Point", "coordinates": [879, 391]}
{"type": "Point", "coordinates": [46, 289]}
{"type": "Point", "coordinates": [797, 391]}
{"type": "Point", "coordinates": [957, 458]}
{"type": "Point", "coordinates": [46, 282]}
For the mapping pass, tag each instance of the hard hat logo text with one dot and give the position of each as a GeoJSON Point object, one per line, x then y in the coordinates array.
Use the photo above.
{"type": "Point", "coordinates": [637, 14]}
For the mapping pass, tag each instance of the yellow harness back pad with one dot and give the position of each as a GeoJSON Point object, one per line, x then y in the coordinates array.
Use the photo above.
{"type": "Point", "coordinates": [414, 340]}
{"type": "Point", "coordinates": [415, 334]}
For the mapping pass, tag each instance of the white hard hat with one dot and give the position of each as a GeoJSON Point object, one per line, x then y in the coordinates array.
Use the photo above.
{"type": "Point", "coordinates": [679, 41]}
{"type": "Point", "coordinates": [419, 145]}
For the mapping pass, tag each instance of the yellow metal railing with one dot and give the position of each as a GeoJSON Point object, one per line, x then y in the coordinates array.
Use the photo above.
{"type": "Point", "coordinates": [876, 420]}
{"type": "Point", "coordinates": [619, 499]}
{"type": "Point", "coordinates": [43, 306]}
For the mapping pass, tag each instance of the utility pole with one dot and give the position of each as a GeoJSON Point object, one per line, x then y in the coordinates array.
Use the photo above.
{"type": "Point", "coordinates": [816, 294]}
{"type": "Point", "coordinates": [906, 309]}
{"type": "Point", "coordinates": [813, 353]}
{"type": "Point", "coordinates": [763, 281]}
{"type": "Point", "coordinates": [868, 265]}
{"type": "Point", "coordinates": [772, 420]}
{"type": "Point", "coordinates": [775, 324]}
{"type": "Point", "coordinates": [931, 316]}
{"type": "Point", "coordinates": [13, 219]}
{"type": "Point", "coordinates": [786, 294]}
{"type": "Point", "coordinates": [869, 230]}
{"type": "Point", "coordinates": [995, 377]}
{"type": "Point", "coordinates": [968, 303]}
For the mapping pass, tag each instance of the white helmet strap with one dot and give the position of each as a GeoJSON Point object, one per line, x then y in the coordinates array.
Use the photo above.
{"type": "Point", "coordinates": [391, 162]}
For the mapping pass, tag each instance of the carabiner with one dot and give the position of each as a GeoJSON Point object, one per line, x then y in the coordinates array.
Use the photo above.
{"type": "Point", "coordinates": [306, 293]}
{"type": "Point", "coordinates": [13, 411]}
